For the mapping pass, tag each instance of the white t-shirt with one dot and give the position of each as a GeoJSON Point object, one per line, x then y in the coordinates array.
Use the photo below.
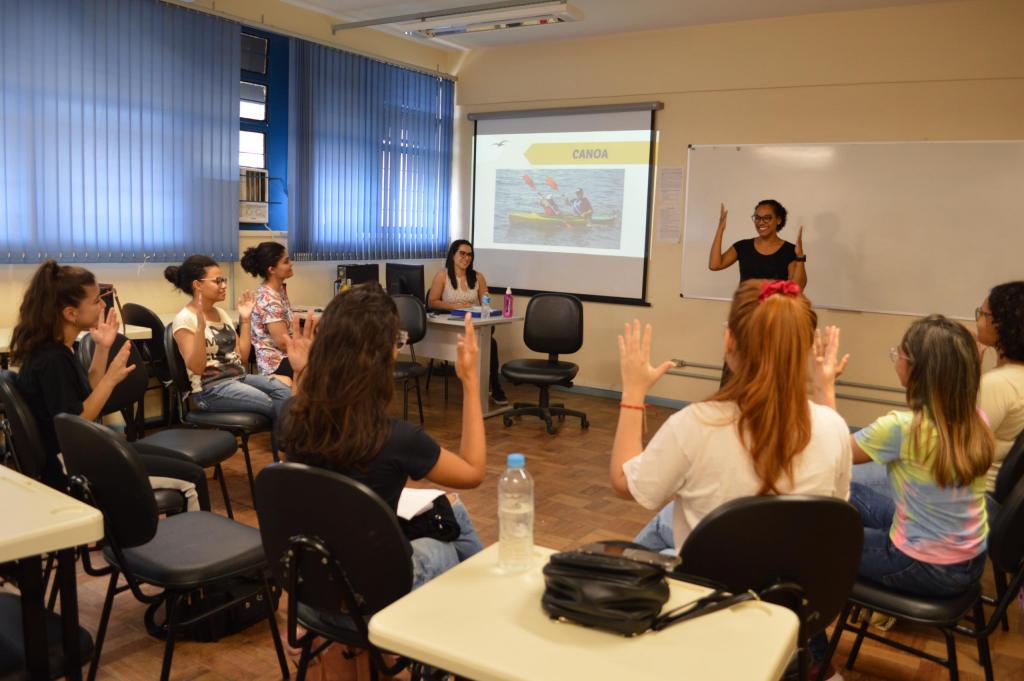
{"type": "Point", "coordinates": [222, 360]}
{"type": "Point", "coordinates": [1001, 397]}
{"type": "Point", "coordinates": [698, 460]}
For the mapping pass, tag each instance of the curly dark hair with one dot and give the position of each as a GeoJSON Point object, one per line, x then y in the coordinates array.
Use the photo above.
{"type": "Point", "coordinates": [1006, 302]}
{"type": "Point", "coordinates": [780, 211]}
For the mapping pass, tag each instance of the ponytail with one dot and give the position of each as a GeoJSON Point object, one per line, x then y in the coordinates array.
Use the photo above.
{"type": "Point", "coordinates": [40, 318]}
{"type": "Point", "coordinates": [772, 324]}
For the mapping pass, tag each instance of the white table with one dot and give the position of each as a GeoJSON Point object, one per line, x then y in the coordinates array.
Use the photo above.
{"type": "Point", "coordinates": [442, 341]}
{"type": "Point", "coordinates": [488, 626]}
{"type": "Point", "coordinates": [35, 519]}
{"type": "Point", "coordinates": [130, 331]}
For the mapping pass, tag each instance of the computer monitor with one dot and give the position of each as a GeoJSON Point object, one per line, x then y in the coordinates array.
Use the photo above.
{"type": "Point", "coordinates": [360, 273]}
{"type": "Point", "coordinates": [402, 278]}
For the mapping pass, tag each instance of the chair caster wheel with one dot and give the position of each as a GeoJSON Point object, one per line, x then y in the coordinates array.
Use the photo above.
{"type": "Point", "coordinates": [584, 423]}
{"type": "Point", "coordinates": [561, 418]}
{"type": "Point", "coordinates": [551, 428]}
{"type": "Point", "coordinates": [507, 420]}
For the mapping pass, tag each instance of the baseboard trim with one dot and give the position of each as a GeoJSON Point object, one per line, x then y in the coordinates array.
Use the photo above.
{"type": "Point", "coordinates": [617, 395]}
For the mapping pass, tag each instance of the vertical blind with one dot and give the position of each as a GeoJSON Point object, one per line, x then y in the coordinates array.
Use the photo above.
{"type": "Point", "coordinates": [371, 158]}
{"type": "Point", "coordinates": [119, 135]}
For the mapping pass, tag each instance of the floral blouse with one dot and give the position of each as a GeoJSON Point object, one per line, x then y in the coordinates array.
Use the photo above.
{"type": "Point", "coordinates": [271, 306]}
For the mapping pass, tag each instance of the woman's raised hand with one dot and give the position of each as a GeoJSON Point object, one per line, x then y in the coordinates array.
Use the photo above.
{"type": "Point", "coordinates": [118, 369]}
{"type": "Point", "coordinates": [105, 332]}
{"type": "Point", "coordinates": [723, 215]}
{"type": "Point", "coordinates": [638, 376]}
{"type": "Point", "coordinates": [827, 366]}
{"type": "Point", "coordinates": [467, 354]}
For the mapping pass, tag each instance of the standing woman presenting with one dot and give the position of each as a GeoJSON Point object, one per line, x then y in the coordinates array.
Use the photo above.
{"type": "Point", "coordinates": [766, 256]}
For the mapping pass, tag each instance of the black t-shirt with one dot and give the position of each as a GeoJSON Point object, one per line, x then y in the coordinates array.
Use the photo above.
{"type": "Point", "coordinates": [408, 453]}
{"type": "Point", "coordinates": [753, 265]}
{"type": "Point", "coordinates": [52, 381]}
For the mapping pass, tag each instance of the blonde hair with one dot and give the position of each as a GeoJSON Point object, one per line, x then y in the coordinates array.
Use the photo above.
{"type": "Point", "coordinates": [945, 375]}
{"type": "Point", "coordinates": [773, 332]}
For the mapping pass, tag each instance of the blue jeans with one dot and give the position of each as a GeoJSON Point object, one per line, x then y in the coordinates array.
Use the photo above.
{"type": "Point", "coordinates": [657, 533]}
{"type": "Point", "coordinates": [431, 557]}
{"type": "Point", "coordinates": [885, 564]}
{"type": "Point", "coordinates": [260, 394]}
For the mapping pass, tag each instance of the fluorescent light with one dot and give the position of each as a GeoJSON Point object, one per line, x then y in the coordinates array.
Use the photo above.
{"type": "Point", "coordinates": [539, 14]}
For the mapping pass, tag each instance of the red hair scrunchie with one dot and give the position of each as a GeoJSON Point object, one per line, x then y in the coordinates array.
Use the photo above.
{"type": "Point", "coordinates": [784, 287]}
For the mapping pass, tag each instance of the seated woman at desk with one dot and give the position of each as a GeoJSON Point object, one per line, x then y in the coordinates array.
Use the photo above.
{"type": "Point", "coordinates": [339, 417]}
{"type": "Point", "coordinates": [272, 312]}
{"type": "Point", "coordinates": [62, 302]}
{"type": "Point", "coordinates": [459, 286]}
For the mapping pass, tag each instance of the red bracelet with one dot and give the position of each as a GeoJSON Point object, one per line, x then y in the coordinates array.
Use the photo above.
{"type": "Point", "coordinates": [641, 407]}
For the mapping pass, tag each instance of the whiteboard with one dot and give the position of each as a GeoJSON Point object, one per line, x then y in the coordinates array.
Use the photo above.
{"type": "Point", "coordinates": [904, 228]}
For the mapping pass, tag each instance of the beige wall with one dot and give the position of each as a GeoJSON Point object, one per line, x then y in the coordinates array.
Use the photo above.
{"type": "Point", "coordinates": [945, 71]}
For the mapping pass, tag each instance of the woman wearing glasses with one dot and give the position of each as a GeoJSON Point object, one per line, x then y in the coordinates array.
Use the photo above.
{"type": "Point", "coordinates": [212, 350]}
{"type": "Point", "coordinates": [459, 286]}
{"type": "Point", "coordinates": [766, 256]}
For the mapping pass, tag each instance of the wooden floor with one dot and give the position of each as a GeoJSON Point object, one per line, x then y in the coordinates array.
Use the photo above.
{"type": "Point", "coordinates": [574, 505]}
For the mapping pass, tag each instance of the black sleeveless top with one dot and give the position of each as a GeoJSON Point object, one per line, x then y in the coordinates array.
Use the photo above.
{"type": "Point", "coordinates": [753, 265]}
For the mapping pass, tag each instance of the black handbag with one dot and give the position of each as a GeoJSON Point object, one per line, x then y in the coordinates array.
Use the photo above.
{"type": "Point", "coordinates": [230, 620]}
{"type": "Point", "coordinates": [598, 586]}
{"type": "Point", "coordinates": [439, 522]}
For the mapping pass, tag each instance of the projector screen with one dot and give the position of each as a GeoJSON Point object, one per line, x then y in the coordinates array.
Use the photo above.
{"type": "Point", "coordinates": [561, 200]}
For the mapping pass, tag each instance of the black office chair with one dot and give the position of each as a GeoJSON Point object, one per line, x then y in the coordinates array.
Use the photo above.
{"type": "Point", "coordinates": [12, 643]}
{"type": "Point", "coordinates": [554, 325]}
{"type": "Point", "coordinates": [337, 574]}
{"type": "Point", "coordinates": [176, 555]}
{"type": "Point", "coordinates": [1006, 550]}
{"type": "Point", "coordinates": [240, 424]}
{"type": "Point", "coordinates": [153, 352]}
{"type": "Point", "coordinates": [127, 396]}
{"type": "Point", "coordinates": [20, 430]}
{"type": "Point", "coordinates": [412, 318]}
{"type": "Point", "coordinates": [204, 447]}
{"type": "Point", "coordinates": [1011, 471]}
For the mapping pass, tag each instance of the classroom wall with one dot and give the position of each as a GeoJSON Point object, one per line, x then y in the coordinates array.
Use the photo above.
{"type": "Point", "coordinates": [927, 72]}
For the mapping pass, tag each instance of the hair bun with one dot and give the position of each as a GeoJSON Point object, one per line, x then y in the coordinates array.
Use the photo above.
{"type": "Point", "coordinates": [171, 274]}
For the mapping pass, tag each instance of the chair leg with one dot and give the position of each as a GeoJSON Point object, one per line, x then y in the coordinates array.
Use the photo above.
{"type": "Point", "coordinates": [304, 658]}
{"type": "Point", "coordinates": [1000, 579]}
{"type": "Point", "coordinates": [274, 633]}
{"type": "Point", "coordinates": [954, 672]}
{"type": "Point", "coordinates": [405, 400]}
{"type": "Point", "coordinates": [101, 632]}
{"type": "Point", "coordinates": [419, 399]}
{"type": "Point", "coordinates": [218, 473]}
{"type": "Point", "coordinates": [430, 373]}
{"type": "Point", "coordinates": [984, 655]}
{"type": "Point", "coordinates": [248, 468]}
{"type": "Point", "coordinates": [837, 633]}
{"type": "Point", "coordinates": [172, 629]}
{"type": "Point", "coordinates": [859, 640]}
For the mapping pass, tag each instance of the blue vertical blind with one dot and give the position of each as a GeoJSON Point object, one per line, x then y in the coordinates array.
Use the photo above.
{"type": "Point", "coordinates": [371, 151]}
{"type": "Point", "coordinates": [119, 135]}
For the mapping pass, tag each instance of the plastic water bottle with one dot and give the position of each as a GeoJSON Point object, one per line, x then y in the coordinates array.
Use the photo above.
{"type": "Point", "coordinates": [506, 307]}
{"type": "Point", "coordinates": [485, 307]}
{"type": "Point", "coordinates": [515, 516]}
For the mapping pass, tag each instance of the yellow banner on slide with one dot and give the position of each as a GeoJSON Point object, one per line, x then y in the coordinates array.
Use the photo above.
{"type": "Point", "coordinates": [588, 153]}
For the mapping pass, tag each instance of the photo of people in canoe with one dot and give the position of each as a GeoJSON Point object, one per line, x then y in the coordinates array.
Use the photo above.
{"type": "Point", "coordinates": [565, 207]}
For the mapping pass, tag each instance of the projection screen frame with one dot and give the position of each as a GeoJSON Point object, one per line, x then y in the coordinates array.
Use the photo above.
{"type": "Point", "coordinates": [559, 111]}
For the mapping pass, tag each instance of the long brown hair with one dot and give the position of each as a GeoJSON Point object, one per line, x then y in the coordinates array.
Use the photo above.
{"type": "Point", "coordinates": [339, 417]}
{"type": "Point", "coordinates": [945, 374]}
{"type": "Point", "coordinates": [773, 335]}
{"type": "Point", "coordinates": [40, 318]}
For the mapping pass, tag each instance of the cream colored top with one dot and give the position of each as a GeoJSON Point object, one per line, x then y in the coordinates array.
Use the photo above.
{"type": "Point", "coordinates": [1001, 397]}
{"type": "Point", "coordinates": [461, 295]}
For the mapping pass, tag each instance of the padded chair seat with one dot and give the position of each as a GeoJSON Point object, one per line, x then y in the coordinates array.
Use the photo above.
{"type": "Point", "coordinates": [404, 370]}
{"type": "Point", "coordinates": [12, 646]}
{"type": "Point", "coordinates": [194, 548]}
{"type": "Point", "coordinates": [204, 448]}
{"type": "Point", "coordinates": [539, 371]}
{"type": "Point", "coordinates": [921, 609]}
{"type": "Point", "coordinates": [247, 421]}
{"type": "Point", "coordinates": [169, 501]}
{"type": "Point", "coordinates": [337, 626]}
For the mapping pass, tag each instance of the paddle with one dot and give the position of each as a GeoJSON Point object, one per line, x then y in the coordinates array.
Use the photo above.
{"type": "Point", "coordinates": [550, 181]}
{"type": "Point", "coordinates": [530, 183]}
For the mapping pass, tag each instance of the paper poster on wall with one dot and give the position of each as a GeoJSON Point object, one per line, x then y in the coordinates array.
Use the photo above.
{"type": "Point", "coordinates": [669, 204]}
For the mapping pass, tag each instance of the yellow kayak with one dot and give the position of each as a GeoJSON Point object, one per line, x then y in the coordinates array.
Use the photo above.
{"type": "Point", "coordinates": [539, 219]}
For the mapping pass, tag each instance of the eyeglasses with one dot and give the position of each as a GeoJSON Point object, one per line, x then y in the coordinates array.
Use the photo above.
{"type": "Point", "coordinates": [217, 280]}
{"type": "Point", "coordinates": [464, 254]}
{"type": "Point", "coordinates": [403, 338]}
{"type": "Point", "coordinates": [897, 353]}
{"type": "Point", "coordinates": [758, 219]}
{"type": "Point", "coordinates": [978, 313]}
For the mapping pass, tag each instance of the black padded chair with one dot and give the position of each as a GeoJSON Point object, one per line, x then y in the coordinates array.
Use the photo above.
{"type": "Point", "coordinates": [337, 574]}
{"type": "Point", "coordinates": [176, 555]}
{"type": "Point", "coordinates": [1005, 549]}
{"type": "Point", "coordinates": [553, 325]}
{"type": "Point", "coordinates": [412, 318]}
{"type": "Point", "coordinates": [127, 396]}
{"type": "Point", "coordinates": [798, 551]}
{"type": "Point", "coordinates": [240, 424]}
{"type": "Point", "coordinates": [12, 643]}
{"type": "Point", "coordinates": [205, 448]}
{"type": "Point", "coordinates": [153, 353]}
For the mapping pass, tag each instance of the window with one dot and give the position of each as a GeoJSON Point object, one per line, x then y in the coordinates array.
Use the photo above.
{"type": "Point", "coordinates": [253, 103]}
{"type": "Point", "coordinates": [251, 149]}
{"type": "Point", "coordinates": [254, 53]}
{"type": "Point", "coordinates": [263, 118]}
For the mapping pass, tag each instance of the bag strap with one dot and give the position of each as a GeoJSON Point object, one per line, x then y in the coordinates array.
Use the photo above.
{"type": "Point", "coordinates": [713, 602]}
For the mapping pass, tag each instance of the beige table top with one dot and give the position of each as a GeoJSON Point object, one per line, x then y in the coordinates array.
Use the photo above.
{"type": "Point", "coordinates": [36, 519]}
{"type": "Point", "coordinates": [132, 332]}
{"type": "Point", "coordinates": [488, 626]}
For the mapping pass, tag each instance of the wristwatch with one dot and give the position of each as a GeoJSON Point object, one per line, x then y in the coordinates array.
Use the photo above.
{"type": "Point", "coordinates": [800, 258]}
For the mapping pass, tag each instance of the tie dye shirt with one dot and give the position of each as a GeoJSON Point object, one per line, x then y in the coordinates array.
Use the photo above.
{"type": "Point", "coordinates": [931, 524]}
